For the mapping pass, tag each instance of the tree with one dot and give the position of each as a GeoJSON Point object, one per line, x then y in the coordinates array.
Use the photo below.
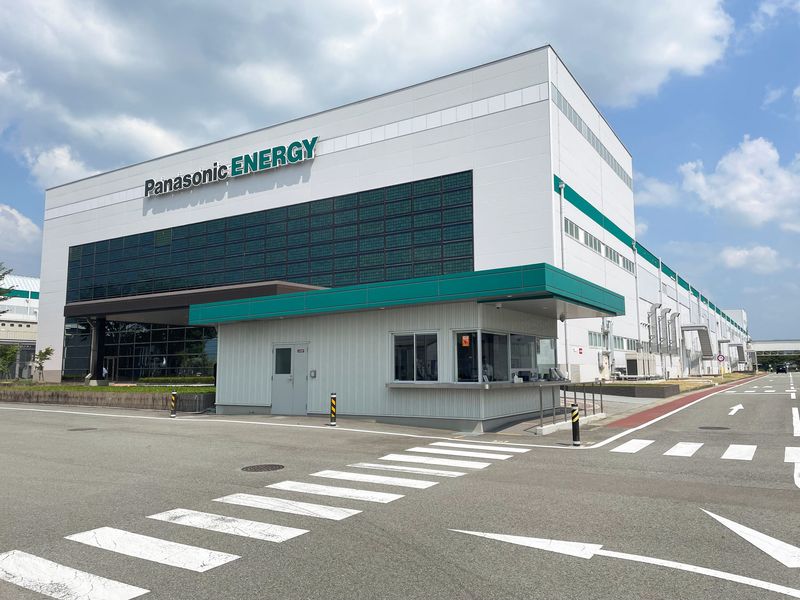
{"type": "Point", "coordinates": [3, 290]}
{"type": "Point", "coordinates": [40, 358]}
{"type": "Point", "coordinates": [8, 358]}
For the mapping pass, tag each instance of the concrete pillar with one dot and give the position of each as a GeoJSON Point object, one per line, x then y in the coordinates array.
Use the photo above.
{"type": "Point", "coordinates": [97, 354]}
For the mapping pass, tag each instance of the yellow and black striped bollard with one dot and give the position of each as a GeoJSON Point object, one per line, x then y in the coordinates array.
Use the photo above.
{"type": "Point", "coordinates": [333, 410]}
{"type": "Point", "coordinates": [576, 425]}
{"type": "Point", "coordinates": [173, 400]}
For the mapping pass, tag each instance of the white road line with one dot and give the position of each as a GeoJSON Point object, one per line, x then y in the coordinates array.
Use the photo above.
{"type": "Point", "coordinates": [418, 484]}
{"type": "Point", "coordinates": [769, 391]}
{"type": "Point", "coordinates": [792, 396]}
{"type": "Point", "coordinates": [739, 452]}
{"type": "Point", "coordinates": [683, 449]}
{"type": "Point", "coordinates": [320, 511]}
{"type": "Point", "coordinates": [442, 462]}
{"type": "Point", "coordinates": [749, 391]}
{"type": "Point", "coordinates": [402, 469]}
{"type": "Point", "coordinates": [231, 525]}
{"type": "Point", "coordinates": [795, 421]}
{"type": "Point", "coordinates": [338, 492]}
{"type": "Point", "coordinates": [465, 453]}
{"type": "Point", "coordinates": [57, 581]}
{"type": "Point", "coordinates": [481, 447]}
{"type": "Point", "coordinates": [157, 550]}
{"type": "Point", "coordinates": [632, 446]}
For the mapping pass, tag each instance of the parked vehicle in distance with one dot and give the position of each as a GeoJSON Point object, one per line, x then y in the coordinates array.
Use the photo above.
{"type": "Point", "coordinates": [781, 369]}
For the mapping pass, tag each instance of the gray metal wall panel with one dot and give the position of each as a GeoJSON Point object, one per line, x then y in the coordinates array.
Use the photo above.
{"type": "Point", "coordinates": [352, 354]}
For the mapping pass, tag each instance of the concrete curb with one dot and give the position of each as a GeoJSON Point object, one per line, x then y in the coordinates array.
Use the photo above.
{"type": "Point", "coordinates": [564, 425]}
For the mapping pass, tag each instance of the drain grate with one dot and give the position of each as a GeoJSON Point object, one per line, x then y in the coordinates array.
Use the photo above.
{"type": "Point", "coordinates": [83, 429]}
{"type": "Point", "coordinates": [713, 428]}
{"type": "Point", "coordinates": [262, 468]}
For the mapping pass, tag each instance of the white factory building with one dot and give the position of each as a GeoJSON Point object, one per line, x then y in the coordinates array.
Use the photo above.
{"type": "Point", "coordinates": [438, 253]}
{"type": "Point", "coordinates": [19, 318]}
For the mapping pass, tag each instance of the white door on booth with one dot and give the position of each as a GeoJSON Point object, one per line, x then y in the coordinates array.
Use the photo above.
{"type": "Point", "coordinates": [300, 375]}
{"type": "Point", "coordinates": [282, 380]}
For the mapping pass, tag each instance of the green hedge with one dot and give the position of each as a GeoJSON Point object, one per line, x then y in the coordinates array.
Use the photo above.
{"type": "Point", "coordinates": [178, 380]}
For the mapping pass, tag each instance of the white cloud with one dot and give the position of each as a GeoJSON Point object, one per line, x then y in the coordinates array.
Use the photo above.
{"type": "Point", "coordinates": [768, 11]}
{"type": "Point", "coordinates": [649, 191]}
{"type": "Point", "coordinates": [20, 241]}
{"type": "Point", "coordinates": [123, 82]}
{"type": "Point", "coordinates": [750, 184]}
{"type": "Point", "coordinates": [772, 95]}
{"type": "Point", "coordinates": [758, 259]}
{"type": "Point", "coordinates": [641, 228]}
{"type": "Point", "coordinates": [796, 95]}
{"type": "Point", "coordinates": [56, 166]}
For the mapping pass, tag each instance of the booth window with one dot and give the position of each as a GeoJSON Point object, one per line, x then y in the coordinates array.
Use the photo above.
{"type": "Point", "coordinates": [467, 355]}
{"type": "Point", "coordinates": [545, 356]}
{"type": "Point", "coordinates": [416, 357]}
{"type": "Point", "coordinates": [523, 354]}
{"type": "Point", "coordinates": [494, 357]}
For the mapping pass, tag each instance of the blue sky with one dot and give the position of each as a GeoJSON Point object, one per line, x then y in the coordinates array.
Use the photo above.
{"type": "Point", "coordinates": [705, 94]}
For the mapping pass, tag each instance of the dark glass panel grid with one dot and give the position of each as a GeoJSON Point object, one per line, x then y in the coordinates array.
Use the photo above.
{"type": "Point", "coordinates": [135, 350]}
{"type": "Point", "coordinates": [408, 230]}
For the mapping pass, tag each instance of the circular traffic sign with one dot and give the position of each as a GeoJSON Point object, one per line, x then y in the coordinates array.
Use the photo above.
{"type": "Point", "coordinates": [720, 358]}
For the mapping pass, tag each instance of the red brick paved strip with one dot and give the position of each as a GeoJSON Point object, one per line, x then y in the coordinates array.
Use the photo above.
{"type": "Point", "coordinates": [662, 409]}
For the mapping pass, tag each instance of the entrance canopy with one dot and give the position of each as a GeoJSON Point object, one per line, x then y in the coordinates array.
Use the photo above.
{"type": "Point", "coordinates": [172, 308]}
{"type": "Point", "coordinates": [538, 289]}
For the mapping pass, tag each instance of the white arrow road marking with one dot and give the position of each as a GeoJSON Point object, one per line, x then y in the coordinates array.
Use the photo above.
{"type": "Point", "coordinates": [57, 581]}
{"type": "Point", "coordinates": [795, 421]}
{"type": "Point", "coordinates": [793, 396]}
{"type": "Point", "coordinates": [735, 409]}
{"type": "Point", "coordinates": [588, 550]}
{"type": "Point", "coordinates": [786, 554]}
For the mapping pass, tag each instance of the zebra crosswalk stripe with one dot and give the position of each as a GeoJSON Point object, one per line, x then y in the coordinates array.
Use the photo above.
{"type": "Point", "coordinates": [419, 484]}
{"type": "Point", "coordinates": [481, 447]}
{"type": "Point", "coordinates": [739, 452]}
{"type": "Point", "coordinates": [58, 581]}
{"type": "Point", "coordinates": [337, 492]}
{"type": "Point", "coordinates": [442, 462]}
{"type": "Point", "coordinates": [404, 469]}
{"type": "Point", "coordinates": [685, 449]}
{"type": "Point", "coordinates": [230, 525]}
{"type": "Point", "coordinates": [465, 453]}
{"type": "Point", "coordinates": [632, 446]}
{"type": "Point", "coordinates": [307, 509]}
{"type": "Point", "coordinates": [153, 549]}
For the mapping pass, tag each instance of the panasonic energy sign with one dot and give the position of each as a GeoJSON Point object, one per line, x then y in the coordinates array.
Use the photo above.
{"type": "Point", "coordinates": [245, 164]}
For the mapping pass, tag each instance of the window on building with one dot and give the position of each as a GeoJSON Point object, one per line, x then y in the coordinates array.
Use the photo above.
{"type": "Point", "coordinates": [545, 356]}
{"type": "Point", "coordinates": [628, 265]}
{"type": "Point", "coordinates": [595, 339]}
{"type": "Point", "coordinates": [494, 357]}
{"type": "Point", "coordinates": [592, 242]}
{"type": "Point", "coordinates": [416, 357]}
{"type": "Point", "coordinates": [612, 255]}
{"type": "Point", "coordinates": [467, 355]}
{"type": "Point", "coordinates": [571, 229]}
{"type": "Point", "coordinates": [523, 355]}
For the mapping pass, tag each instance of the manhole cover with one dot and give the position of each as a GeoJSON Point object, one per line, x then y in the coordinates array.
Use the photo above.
{"type": "Point", "coordinates": [83, 429]}
{"type": "Point", "coordinates": [260, 468]}
{"type": "Point", "coordinates": [712, 428]}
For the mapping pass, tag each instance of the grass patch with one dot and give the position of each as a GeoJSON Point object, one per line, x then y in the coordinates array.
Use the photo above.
{"type": "Point", "coordinates": [114, 389]}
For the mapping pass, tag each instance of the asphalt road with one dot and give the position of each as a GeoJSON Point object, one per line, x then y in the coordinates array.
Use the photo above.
{"type": "Point", "coordinates": [65, 471]}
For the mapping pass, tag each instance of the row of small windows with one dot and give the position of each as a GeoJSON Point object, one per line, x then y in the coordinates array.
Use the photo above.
{"type": "Point", "coordinates": [571, 114]}
{"type": "Point", "coordinates": [620, 343]}
{"type": "Point", "coordinates": [16, 325]}
{"type": "Point", "coordinates": [414, 229]}
{"type": "Point", "coordinates": [575, 232]}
